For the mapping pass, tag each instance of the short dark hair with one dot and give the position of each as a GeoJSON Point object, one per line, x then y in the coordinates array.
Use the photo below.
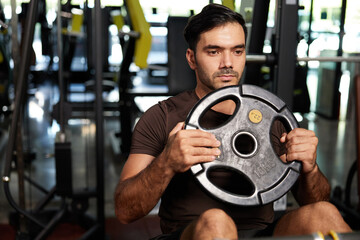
{"type": "Point", "coordinates": [211, 16]}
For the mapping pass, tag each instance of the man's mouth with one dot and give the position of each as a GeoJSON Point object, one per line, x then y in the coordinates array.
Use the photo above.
{"type": "Point", "coordinates": [226, 77]}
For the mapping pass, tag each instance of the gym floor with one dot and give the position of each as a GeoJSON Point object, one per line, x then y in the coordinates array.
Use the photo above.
{"type": "Point", "coordinates": [336, 153]}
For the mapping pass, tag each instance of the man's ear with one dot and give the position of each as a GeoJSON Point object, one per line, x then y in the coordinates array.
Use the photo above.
{"type": "Point", "coordinates": [190, 57]}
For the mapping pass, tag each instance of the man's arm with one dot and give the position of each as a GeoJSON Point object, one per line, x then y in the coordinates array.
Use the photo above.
{"type": "Point", "coordinates": [312, 185]}
{"type": "Point", "coordinates": [142, 182]}
{"type": "Point", "coordinates": [144, 178]}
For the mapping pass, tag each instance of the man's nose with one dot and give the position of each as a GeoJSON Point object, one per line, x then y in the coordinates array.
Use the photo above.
{"type": "Point", "coordinates": [226, 60]}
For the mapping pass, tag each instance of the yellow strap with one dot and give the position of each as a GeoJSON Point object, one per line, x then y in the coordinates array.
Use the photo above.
{"type": "Point", "coordinates": [334, 235]}
{"type": "Point", "coordinates": [2, 88]}
{"type": "Point", "coordinates": [1, 57]}
{"type": "Point", "coordinates": [117, 19]}
{"type": "Point", "coordinates": [143, 44]}
{"type": "Point", "coordinates": [4, 31]}
{"type": "Point", "coordinates": [77, 20]}
{"type": "Point", "coordinates": [229, 3]}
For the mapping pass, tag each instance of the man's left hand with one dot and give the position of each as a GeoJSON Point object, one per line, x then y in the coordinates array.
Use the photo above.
{"type": "Point", "coordinates": [301, 145]}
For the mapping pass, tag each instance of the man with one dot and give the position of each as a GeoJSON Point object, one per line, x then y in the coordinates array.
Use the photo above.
{"type": "Point", "coordinates": [162, 153]}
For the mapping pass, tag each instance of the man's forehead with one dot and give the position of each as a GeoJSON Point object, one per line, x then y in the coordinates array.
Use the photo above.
{"type": "Point", "coordinates": [230, 33]}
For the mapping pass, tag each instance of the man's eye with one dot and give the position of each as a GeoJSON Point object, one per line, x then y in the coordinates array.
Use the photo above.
{"type": "Point", "coordinates": [238, 52]}
{"type": "Point", "coordinates": [213, 52]}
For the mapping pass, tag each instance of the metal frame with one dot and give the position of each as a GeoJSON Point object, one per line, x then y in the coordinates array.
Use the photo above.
{"type": "Point", "coordinates": [270, 59]}
{"type": "Point", "coordinates": [338, 71]}
{"type": "Point", "coordinates": [98, 228]}
{"type": "Point", "coordinates": [257, 38]}
{"type": "Point", "coordinates": [99, 120]}
{"type": "Point", "coordinates": [285, 49]}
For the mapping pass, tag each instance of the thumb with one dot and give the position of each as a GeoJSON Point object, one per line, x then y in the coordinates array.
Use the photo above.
{"type": "Point", "coordinates": [177, 128]}
{"type": "Point", "coordinates": [283, 137]}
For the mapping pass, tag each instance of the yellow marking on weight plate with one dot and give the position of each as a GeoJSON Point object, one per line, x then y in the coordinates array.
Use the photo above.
{"type": "Point", "coordinates": [334, 235]}
{"type": "Point", "coordinates": [255, 116]}
{"type": "Point", "coordinates": [318, 236]}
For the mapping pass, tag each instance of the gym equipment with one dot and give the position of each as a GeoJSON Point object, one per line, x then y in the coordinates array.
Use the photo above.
{"type": "Point", "coordinates": [20, 93]}
{"type": "Point", "coordinates": [250, 125]}
{"type": "Point", "coordinates": [5, 79]}
{"type": "Point", "coordinates": [5, 70]}
{"type": "Point", "coordinates": [143, 45]}
{"type": "Point", "coordinates": [229, 3]}
{"type": "Point", "coordinates": [332, 235]}
{"type": "Point", "coordinates": [256, 35]}
{"type": "Point", "coordinates": [37, 227]}
{"type": "Point", "coordinates": [269, 58]}
{"type": "Point", "coordinates": [180, 77]}
{"type": "Point", "coordinates": [357, 86]}
{"type": "Point", "coordinates": [351, 212]}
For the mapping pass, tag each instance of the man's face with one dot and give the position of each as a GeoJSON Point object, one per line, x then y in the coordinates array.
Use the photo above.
{"type": "Point", "coordinates": [220, 58]}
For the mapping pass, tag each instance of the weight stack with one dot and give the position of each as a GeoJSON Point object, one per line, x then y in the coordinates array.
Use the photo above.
{"type": "Point", "coordinates": [63, 166]}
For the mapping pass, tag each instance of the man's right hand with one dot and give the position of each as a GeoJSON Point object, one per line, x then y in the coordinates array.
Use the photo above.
{"type": "Point", "coordinates": [188, 147]}
{"type": "Point", "coordinates": [144, 178]}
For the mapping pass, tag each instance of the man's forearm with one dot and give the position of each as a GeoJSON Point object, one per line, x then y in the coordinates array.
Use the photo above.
{"type": "Point", "coordinates": [312, 187]}
{"type": "Point", "coordinates": [136, 196]}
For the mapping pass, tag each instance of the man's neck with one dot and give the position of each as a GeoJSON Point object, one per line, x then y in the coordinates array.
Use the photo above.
{"type": "Point", "coordinates": [225, 107]}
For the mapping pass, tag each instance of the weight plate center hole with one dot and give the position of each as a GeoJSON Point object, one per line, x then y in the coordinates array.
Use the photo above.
{"type": "Point", "coordinates": [245, 144]}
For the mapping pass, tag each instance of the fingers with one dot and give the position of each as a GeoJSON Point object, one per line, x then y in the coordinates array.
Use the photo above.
{"type": "Point", "coordinates": [293, 154]}
{"type": "Point", "coordinates": [299, 132]}
{"type": "Point", "coordinates": [198, 143]}
{"type": "Point", "coordinates": [301, 145]}
{"type": "Point", "coordinates": [177, 128]}
{"type": "Point", "coordinates": [198, 138]}
{"type": "Point", "coordinates": [190, 132]}
{"type": "Point", "coordinates": [299, 136]}
{"type": "Point", "coordinates": [204, 151]}
{"type": "Point", "coordinates": [188, 147]}
{"type": "Point", "coordinates": [283, 137]}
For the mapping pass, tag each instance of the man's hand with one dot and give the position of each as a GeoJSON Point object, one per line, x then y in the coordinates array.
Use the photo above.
{"type": "Point", "coordinates": [301, 145]}
{"type": "Point", "coordinates": [312, 186]}
{"type": "Point", "coordinates": [188, 147]}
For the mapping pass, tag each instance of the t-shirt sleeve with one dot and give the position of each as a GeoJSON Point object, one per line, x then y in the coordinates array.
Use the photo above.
{"type": "Point", "coordinates": [149, 136]}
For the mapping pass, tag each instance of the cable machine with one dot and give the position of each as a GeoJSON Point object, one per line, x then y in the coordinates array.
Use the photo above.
{"type": "Point", "coordinates": [73, 204]}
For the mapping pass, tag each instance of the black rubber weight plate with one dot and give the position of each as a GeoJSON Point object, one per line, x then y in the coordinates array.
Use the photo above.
{"type": "Point", "coordinates": [255, 113]}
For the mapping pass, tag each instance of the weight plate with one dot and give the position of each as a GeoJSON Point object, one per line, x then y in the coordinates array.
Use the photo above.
{"type": "Point", "coordinates": [256, 110]}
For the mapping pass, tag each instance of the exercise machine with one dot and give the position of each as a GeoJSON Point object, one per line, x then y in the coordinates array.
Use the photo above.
{"type": "Point", "coordinates": [5, 71]}
{"type": "Point", "coordinates": [136, 45]}
{"type": "Point", "coordinates": [39, 222]}
{"type": "Point", "coordinates": [342, 198]}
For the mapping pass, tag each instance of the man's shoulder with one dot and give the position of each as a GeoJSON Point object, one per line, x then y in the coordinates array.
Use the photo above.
{"type": "Point", "coordinates": [177, 105]}
{"type": "Point", "coordinates": [181, 100]}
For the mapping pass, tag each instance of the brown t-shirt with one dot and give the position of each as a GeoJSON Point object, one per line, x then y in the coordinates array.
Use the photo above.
{"type": "Point", "coordinates": [184, 199]}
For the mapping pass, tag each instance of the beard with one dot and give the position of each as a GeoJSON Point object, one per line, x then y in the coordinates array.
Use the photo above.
{"type": "Point", "coordinates": [209, 81]}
